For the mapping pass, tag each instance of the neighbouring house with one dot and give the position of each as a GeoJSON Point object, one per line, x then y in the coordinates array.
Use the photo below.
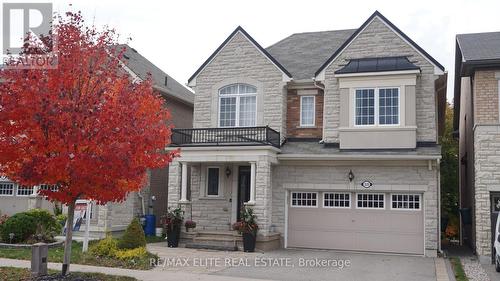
{"type": "Point", "coordinates": [477, 122]}
{"type": "Point", "coordinates": [114, 217]}
{"type": "Point", "coordinates": [331, 137]}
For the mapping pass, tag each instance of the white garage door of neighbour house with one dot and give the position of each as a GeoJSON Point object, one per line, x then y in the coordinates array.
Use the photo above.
{"type": "Point", "coordinates": [374, 222]}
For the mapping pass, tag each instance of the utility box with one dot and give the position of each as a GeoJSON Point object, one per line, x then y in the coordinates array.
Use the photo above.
{"type": "Point", "coordinates": [39, 253]}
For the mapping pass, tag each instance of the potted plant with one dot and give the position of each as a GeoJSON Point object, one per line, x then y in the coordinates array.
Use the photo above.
{"type": "Point", "coordinates": [247, 227]}
{"type": "Point", "coordinates": [172, 222]}
{"type": "Point", "coordinates": [189, 224]}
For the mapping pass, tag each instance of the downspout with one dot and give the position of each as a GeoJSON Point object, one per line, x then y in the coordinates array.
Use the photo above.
{"type": "Point", "coordinates": [321, 88]}
{"type": "Point", "coordinates": [438, 169]}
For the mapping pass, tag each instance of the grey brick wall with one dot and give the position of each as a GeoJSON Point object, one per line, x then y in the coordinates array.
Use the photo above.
{"type": "Point", "coordinates": [240, 59]}
{"type": "Point", "coordinates": [487, 178]}
{"type": "Point", "coordinates": [378, 173]}
{"type": "Point", "coordinates": [378, 40]}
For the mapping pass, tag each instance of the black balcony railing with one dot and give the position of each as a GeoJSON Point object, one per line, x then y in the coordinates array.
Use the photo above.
{"type": "Point", "coordinates": [226, 136]}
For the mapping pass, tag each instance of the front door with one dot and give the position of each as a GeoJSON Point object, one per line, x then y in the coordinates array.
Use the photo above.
{"type": "Point", "coordinates": [495, 208]}
{"type": "Point", "coordinates": [243, 187]}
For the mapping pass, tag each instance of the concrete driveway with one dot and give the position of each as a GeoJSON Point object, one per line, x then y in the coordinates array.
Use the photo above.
{"type": "Point", "coordinates": [297, 264]}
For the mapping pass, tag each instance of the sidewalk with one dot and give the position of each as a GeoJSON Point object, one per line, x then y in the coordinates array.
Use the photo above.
{"type": "Point", "coordinates": [145, 275]}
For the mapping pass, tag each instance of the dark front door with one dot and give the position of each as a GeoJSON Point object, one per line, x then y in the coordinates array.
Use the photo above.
{"type": "Point", "coordinates": [243, 187]}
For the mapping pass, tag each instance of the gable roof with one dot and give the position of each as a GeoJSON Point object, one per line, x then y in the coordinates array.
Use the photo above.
{"type": "Point", "coordinates": [362, 27]}
{"type": "Point", "coordinates": [377, 65]}
{"type": "Point", "coordinates": [141, 66]}
{"type": "Point", "coordinates": [303, 53]}
{"type": "Point", "coordinates": [479, 46]}
{"type": "Point", "coordinates": [250, 38]}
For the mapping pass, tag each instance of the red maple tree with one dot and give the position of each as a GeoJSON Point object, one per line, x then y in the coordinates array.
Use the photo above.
{"type": "Point", "coordinates": [83, 125]}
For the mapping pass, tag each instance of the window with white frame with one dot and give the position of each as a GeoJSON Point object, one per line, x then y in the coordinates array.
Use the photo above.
{"type": "Point", "coordinates": [213, 181]}
{"type": "Point", "coordinates": [370, 200]}
{"type": "Point", "coordinates": [304, 199]}
{"type": "Point", "coordinates": [51, 187]}
{"type": "Point", "coordinates": [307, 111]}
{"type": "Point", "coordinates": [6, 188]}
{"type": "Point", "coordinates": [377, 106]}
{"type": "Point", "coordinates": [336, 200]}
{"type": "Point", "coordinates": [406, 201]}
{"type": "Point", "coordinates": [24, 190]}
{"type": "Point", "coordinates": [237, 106]}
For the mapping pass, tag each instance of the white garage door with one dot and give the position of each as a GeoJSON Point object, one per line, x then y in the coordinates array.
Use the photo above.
{"type": "Point", "coordinates": [375, 222]}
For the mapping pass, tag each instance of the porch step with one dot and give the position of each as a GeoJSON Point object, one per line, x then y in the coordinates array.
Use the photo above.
{"type": "Point", "coordinates": [193, 245]}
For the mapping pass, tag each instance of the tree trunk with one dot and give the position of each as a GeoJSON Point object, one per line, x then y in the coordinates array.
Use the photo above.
{"type": "Point", "coordinates": [69, 236]}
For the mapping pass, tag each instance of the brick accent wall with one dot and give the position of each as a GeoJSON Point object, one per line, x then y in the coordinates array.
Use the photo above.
{"type": "Point", "coordinates": [377, 40]}
{"type": "Point", "coordinates": [485, 97]}
{"type": "Point", "coordinates": [293, 117]}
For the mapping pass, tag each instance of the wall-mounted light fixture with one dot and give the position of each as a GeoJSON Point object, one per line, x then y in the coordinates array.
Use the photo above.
{"type": "Point", "coordinates": [351, 176]}
{"type": "Point", "coordinates": [228, 172]}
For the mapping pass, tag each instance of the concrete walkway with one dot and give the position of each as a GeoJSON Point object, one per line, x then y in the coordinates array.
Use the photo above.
{"type": "Point", "coordinates": [145, 275]}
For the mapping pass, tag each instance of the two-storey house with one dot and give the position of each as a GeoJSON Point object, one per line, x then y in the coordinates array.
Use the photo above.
{"type": "Point", "coordinates": [331, 137]}
{"type": "Point", "coordinates": [477, 121]}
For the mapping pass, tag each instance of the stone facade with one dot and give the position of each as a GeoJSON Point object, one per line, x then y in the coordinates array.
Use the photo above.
{"type": "Point", "coordinates": [486, 97]}
{"type": "Point", "coordinates": [241, 62]}
{"type": "Point", "coordinates": [377, 40]}
{"type": "Point", "coordinates": [386, 176]}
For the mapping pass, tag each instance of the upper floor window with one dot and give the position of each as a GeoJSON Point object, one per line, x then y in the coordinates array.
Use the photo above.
{"type": "Point", "coordinates": [237, 106]}
{"type": "Point", "coordinates": [377, 106]}
{"type": "Point", "coordinates": [307, 111]}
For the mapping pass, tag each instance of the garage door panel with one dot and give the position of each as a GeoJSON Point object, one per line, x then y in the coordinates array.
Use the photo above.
{"type": "Point", "coordinates": [377, 230]}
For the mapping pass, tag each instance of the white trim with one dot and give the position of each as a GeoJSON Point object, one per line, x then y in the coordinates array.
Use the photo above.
{"type": "Point", "coordinates": [301, 206]}
{"type": "Point", "coordinates": [420, 197]}
{"type": "Point", "coordinates": [287, 193]}
{"type": "Point", "coordinates": [380, 73]}
{"type": "Point", "coordinates": [237, 104]}
{"type": "Point", "coordinates": [313, 110]}
{"type": "Point", "coordinates": [285, 77]}
{"type": "Point", "coordinates": [13, 189]}
{"type": "Point", "coordinates": [371, 208]}
{"type": "Point", "coordinates": [336, 192]}
{"type": "Point", "coordinates": [310, 156]}
{"type": "Point", "coordinates": [219, 189]}
{"type": "Point", "coordinates": [376, 116]}
{"type": "Point", "coordinates": [321, 75]}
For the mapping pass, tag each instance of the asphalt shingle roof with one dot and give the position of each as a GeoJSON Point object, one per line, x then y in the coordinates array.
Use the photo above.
{"type": "Point", "coordinates": [303, 53]}
{"type": "Point", "coordinates": [142, 66]}
{"type": "Point", "coordinates": [480, 46]}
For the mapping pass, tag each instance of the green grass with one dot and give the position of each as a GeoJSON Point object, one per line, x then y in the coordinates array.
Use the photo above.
{"type": "Point", "coordinates": [458, 269]}
{"type": "Point", "coordinates": [23, 274]}
{"type": "Point", "coordinates": [155, 239]}
{"type": "Point", "coordinates": [77, 257]}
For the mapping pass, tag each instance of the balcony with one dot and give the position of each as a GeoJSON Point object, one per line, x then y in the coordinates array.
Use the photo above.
{"type": "Point", "coordinates": [238, 136]}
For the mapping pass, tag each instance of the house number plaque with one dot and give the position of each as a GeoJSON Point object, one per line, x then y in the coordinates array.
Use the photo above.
{"type": "Point", "coordinates": [367, 184]}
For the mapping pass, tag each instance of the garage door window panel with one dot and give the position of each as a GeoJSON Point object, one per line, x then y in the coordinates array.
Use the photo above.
{"type": "Point", "coordinates": [336, 200]}
{"type": "Point", "coordinates": [304, 199]}
{"type": "Point", "coordinates": [370, 201]}
{"type": "Point", "coordinates": [405, 201]}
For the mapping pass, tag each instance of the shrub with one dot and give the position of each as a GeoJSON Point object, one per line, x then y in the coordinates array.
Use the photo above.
{"type": "Point", "coordinates": [46, 221]}
{"type": "Point", "coordinates": [106, 247]}
{"type": "Point", "coordinates": [133, 237]}
{"type": "Point", "coordinates": [61, 219]}
{"type": "Point", "coordinates": [131, 254]}
{"type": "Point", "coordinates": [22, 225]}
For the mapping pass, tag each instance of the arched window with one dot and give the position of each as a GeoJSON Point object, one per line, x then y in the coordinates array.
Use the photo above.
{"type": "Point", "coordinates": [237, 106]}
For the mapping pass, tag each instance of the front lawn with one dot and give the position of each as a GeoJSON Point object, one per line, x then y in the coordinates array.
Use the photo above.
{"type": "Point", "coordinates": [23, 274]}
{"type": "Point", "coordinates": [77, 257]}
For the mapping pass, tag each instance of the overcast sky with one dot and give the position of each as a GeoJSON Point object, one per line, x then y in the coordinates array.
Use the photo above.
{"type": "Point", "coordinates": [178, 36]}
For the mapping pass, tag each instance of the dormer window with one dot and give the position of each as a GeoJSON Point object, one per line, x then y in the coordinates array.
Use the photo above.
{"type": "Point", "coordinates": [377, 106]}
{"type": "Point", "coordinates": [237, 106]}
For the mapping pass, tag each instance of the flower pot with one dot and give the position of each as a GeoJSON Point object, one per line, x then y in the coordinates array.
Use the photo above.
{"type": "Point", "coordinates": [249, 240]}
{"type": "Point", "coordinates": [173, 236]}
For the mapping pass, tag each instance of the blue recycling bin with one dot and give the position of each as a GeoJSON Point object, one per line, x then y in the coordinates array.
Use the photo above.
{"type": "Point", "coordinates": [150, 226]}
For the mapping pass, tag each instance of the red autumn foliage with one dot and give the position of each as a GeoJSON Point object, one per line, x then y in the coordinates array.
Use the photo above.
{"type": "Point", "coordinates": [83, 125]}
